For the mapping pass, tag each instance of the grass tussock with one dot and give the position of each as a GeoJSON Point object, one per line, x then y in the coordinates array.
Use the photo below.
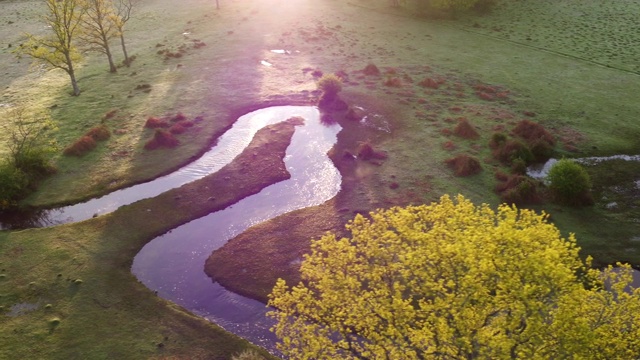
{"type": "Point", "coordinates": [81, 147]}
{"type": "Point", "coordinates": [464, 165]}
{"type": "Point", "coordinates": [371, 70]}
{"type": "Point", "coordinates": [465, 130]}
{"type": "Point", "coordinates": [161, 139]}
{"type": "Point", "coordinates": [99, 133]}
{"type": "Point", "coordinates": [365, 151]}
{"type": "Point", "coordinates": [393, 82]}
{"type": "Point", "coordinates": [155, 123]}
{"type": "Point", "coordinates": [518, 189]}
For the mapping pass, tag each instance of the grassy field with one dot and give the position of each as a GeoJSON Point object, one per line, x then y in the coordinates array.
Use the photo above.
{"type": "Point", "coordinates": [584, 93]}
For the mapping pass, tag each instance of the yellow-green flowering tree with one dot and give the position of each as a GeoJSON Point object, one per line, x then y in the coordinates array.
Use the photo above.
{"type": "Point", "coordinates": [57, 49]}
{"type": "Point", "coordinates": [452, 280]}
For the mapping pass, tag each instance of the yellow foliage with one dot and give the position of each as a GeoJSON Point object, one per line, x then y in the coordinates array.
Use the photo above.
{"type": "Point", "coordinates": [455, 280]}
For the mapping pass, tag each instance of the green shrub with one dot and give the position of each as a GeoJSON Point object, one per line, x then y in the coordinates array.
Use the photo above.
{"type": "Point", "coordinates": [14, 185]}
{"type": "Point", "coordinates": [35, 164]}
{"type": "Point", "coordinates": [512, 150]}
{"type": "Point", "coordinates": [569, 183]}
{"type": "Point", "coordinates": [518, 189]}
{"type": "Point", "coordinates": [497, 140]}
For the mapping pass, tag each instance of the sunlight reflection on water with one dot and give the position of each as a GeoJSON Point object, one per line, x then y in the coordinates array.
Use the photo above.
{"type": "Point", "coordinates": [173, 264]}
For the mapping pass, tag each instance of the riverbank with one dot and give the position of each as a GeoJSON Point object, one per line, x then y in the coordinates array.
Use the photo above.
{"type": "Point", "coordinates": [68, 292]}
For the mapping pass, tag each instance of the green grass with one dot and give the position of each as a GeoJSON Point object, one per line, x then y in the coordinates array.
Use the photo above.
{"type": "Point", "coordinates": [95, 307]}
{"type": "Point", "coordinates": [576, 88]}
{"type": "Point", "coordinates": [575, 99]}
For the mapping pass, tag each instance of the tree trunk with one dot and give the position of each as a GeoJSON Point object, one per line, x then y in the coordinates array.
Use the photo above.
{"type": "Point", "coordinates": [74, 83]}
{"type": "Point", "coordinates": [72, 75]}
{"type": "Point", "coordinates": [112, 66]}
{"type": "Point", "coordinates": [217, 4]}
{"type": "Point", "coordinates": [124, 50]}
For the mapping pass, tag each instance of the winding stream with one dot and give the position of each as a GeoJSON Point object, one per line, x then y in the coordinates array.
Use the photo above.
{"type": "Point", "coordinates": [173, 264]}
{"type": "Point", "coordinates": [229, 145]}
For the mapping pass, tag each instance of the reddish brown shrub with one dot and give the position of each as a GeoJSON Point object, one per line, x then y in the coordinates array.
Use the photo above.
{"type": "Point", "coordinates": [177, 129]}
{"type": "Point", "coordinates": [99, 133]}
{"type": "Point", "coordinates": [161, 138]}
{"type": "Point", "coordinates": [485, 96]}
{"type": "Point", "coordinates": [446, 132]}
{"type": "Point", "coordinates": [366, 151]}
{"type": "Point", "coordinates": [465, 130]}
{"type": "Point", "coordinates": [539, 140]}
{"type": "Point", "coordinates": [80, 146]}
{"type": "Point", "coordinates": [429, 83]}
{"type": "Point", "coordinates": [178, 117]}
{"type": "Point", "coordinates": [393, 82]}
{"type": "Point", "coordinates": [531, 131]}
{"type": "Point", "coordinates": [501, 176]}
{"type": "Point", "coordinates": [371, 70]}
{"type": "Point", "coordinates": [485, 88]}
{"type": "Point", "coordinates": [154, 123]}
{"type": "Point", "coordinates": [186, 123]}
{"type": "Point", "coordinates": [464, 165]}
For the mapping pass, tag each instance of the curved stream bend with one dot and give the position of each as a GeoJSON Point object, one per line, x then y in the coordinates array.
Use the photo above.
{"type": "Point", "coordinates": [173, 264]}
{"type": "Point", "coordinates": [229, 145]}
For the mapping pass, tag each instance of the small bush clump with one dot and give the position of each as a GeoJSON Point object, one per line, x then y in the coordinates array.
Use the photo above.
{"type": "Point", "coordinates": [154, 123]}
{"type": "Point", "coordinates": [330, 85]}
{"type": "Point", "coordinates": [99, 133]}
{"type": "Point", "coordinates": [81, 146]}
{"type": "Point", "coordinates": [371, 70]}
{"type": "Point", "coordinates": [161, 138]}
{"type": "Point", "coordinates": [393, 82]}
{"type": "Point", "coordinates": [498, 140]}
{"type": "Point", "coordinates": [177, 129]}
{"type": "Point", "coordinates": [518, 189]}
{"type": "Point", "coordinates": [465, 130]}
{"type": "Point", "coordinates": [366, 151]}
{"type": "Point", "coordinates": [539, 140]}
{"type": "Point", "coordinates": [513, 149]}
{"type": "Point", "coordinates": [14, 185]}
{"type": "Point", "coordinates": [178, 117]}
{"type": "Point", "coordinates": [464, 165]}
{"type": "Point", "coordinates": [429, 83]}
{"type": "Point", "coordinates": [570, 183]}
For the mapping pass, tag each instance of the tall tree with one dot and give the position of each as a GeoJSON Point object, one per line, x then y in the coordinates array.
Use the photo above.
{"type": "Point", "coordinates": [123, 14]}
{"type": "Point", "coordinates": [455, 281]}
{"type": "Point", "coordinates": [99, 28]}
{"type": "Point", "coordinates": [58, 50]}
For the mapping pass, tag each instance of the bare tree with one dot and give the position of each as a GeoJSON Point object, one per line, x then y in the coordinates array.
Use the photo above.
{"type": "Point", "coordinates": [58, 50]}
{"type": "Point", "coordinates": [123, 14]}
{"type": "Point", "coordinates": [99, 28]}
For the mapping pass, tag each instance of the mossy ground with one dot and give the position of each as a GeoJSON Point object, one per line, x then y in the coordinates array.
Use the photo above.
{"type": "Point", "coordinates": [590, 105]}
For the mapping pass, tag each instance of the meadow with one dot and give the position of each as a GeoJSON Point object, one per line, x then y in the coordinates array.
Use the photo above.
{"type": "Point", "coordinates": [568, 66]}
